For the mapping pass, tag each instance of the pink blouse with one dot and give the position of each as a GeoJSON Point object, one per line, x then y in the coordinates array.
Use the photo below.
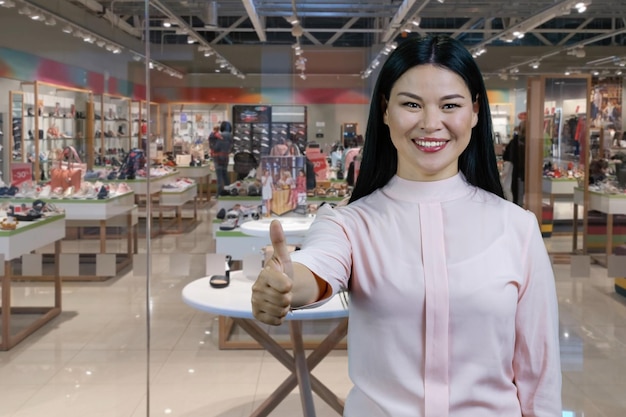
{"type": "Point", "coordinates": [453, 307]}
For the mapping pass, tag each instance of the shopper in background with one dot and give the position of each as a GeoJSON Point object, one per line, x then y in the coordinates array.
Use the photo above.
{"type": "Point", "coordinates": [453, 307]}
{"type": "Point", "coordinates": [221, 155]}
{"type": "Point", "coordinates": [214, 137]}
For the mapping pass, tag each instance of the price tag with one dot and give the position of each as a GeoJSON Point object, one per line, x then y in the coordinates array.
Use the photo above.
{"type": "Point", "coordinates": [21, 172]}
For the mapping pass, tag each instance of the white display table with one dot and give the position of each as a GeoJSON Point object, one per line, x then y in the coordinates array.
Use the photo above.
{"type": "Point", "coordinates": [28, 237]}
{"type": "Point", "coordinates": [177, 198]}
{"type": "Point", "coordinates": [610, 204]}
{"type": "Point", "coordinates": [114, 211]}
{"type": "Point", "coordinates": [202, 175]}
{"type": "Point", "coordinates": [558, 186]}
{"type": "Point", "coordinates": [234, 302]}
{"type": "Point", "coordinates": [292, 226]}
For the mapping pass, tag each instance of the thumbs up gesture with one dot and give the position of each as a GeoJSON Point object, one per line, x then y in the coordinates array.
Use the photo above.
{"type": "Point", "coordinates": [272, 291]}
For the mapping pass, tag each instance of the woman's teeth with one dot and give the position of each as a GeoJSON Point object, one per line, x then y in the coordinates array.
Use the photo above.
{"type": "Point", "coordinates": [429, 144]}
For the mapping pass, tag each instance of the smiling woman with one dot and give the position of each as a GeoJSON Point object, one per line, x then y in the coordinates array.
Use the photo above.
{"type": "Point", "coordinates": [464, 326]}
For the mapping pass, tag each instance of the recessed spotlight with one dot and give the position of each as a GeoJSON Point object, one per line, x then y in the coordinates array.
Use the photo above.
{"type": "Point", "coordinates": [67, 29]}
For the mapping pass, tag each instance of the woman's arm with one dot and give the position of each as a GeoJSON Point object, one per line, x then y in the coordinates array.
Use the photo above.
{"type": "Point", "coordinates": [536, 360]}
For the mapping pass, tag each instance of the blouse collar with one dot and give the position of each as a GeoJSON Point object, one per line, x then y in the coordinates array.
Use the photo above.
{"type": "Point", "coordinates": [449, 189]}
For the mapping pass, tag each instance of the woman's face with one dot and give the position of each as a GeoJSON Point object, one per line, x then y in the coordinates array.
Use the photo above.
{"type": "Point", "coordinates": [430, 116]}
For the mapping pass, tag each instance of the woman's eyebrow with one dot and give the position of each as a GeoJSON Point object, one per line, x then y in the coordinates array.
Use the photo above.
{"type": "Point", "coordinates": [417, 97]}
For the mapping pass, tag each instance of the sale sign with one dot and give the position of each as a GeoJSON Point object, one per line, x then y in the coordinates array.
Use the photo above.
{"type": "Point", "coordinates": [320, 164]}
{"type": "Point", "coordinates": [20, 172]}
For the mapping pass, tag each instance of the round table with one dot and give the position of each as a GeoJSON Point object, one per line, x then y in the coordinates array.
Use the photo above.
{"type": "Point", "coordinates": [292, 226]}
{"type": "Point", "coordinates": [234, 302]}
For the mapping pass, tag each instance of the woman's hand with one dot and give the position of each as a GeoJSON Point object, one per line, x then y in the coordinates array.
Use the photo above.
{"type": "Point", "coordinates": [271, 293]}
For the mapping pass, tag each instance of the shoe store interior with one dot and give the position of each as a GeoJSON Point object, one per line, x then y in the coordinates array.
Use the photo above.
{"type": "Point", "coordinates": [190, 126]}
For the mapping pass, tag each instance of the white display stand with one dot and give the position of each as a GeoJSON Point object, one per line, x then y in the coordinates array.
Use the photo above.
{"type": "Point", "coordinates": [113, 211]}
{"type": "Point", "coordinates": [610, 204]}
{"type": "Point", "coordinates": [202, 175]}
{"type": "Point", "coordinates": [233, 302]}
{"type": "Point", "coordinates": [292, 226]}
{"type": "Point", "coordinates": [177, 198]}
{"type": "Point", "coordinates": [560, 192]}
{"type": "Point", "coordinates": [28, 237]}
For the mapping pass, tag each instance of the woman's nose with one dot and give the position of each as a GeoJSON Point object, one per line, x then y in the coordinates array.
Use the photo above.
{"type": "Point", "coordinates": [431, 120]}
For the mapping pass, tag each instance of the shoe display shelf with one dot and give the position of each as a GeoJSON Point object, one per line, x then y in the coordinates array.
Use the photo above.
{"type": "Point", "coordinates": [191, 124]}
{"type": "Point", "coordinates": [202, 175]}
{"type": "Point", "coordinates": [25, 239]}
{"type": "Point", "coordinates": [118, 212]}
{"type": "Point", "coordinates": [176, 198]}
{"type": "Point", "coordinates": [112, 119]}
{"type": "Point", "coordinates": [145, 123]}
{"type": "Point", "coordinates": [54, 117]}
{"type": "Point", "coordinates": [257, 129]}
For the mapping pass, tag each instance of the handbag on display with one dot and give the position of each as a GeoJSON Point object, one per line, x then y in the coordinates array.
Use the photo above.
{"type": "Point", "coordinates": [68, 175]}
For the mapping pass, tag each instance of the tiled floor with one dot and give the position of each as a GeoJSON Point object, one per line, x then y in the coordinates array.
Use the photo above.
{"type": "Point", "coordinates": [92, 360]}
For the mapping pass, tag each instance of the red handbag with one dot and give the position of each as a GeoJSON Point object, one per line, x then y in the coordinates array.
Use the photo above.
{"type": "Point", "coordinates": [67, 176]}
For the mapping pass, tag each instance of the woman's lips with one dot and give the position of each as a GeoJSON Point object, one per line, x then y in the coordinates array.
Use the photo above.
{"type": "Point", "coordinates": [430, 145]}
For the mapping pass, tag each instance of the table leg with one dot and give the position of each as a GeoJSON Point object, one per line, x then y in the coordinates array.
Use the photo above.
{"type": "Point", "coordinates": [57, 275]}
{"type": "Point", "coordinates": [575, 230]}
{"type": "Point", "coordinates": [6, 305]}
{"type": "Point", "coordinates": [609, 236]}
{"type": "Point", "coordinates": [302, 372]}
{"type": "Point", "coordinates": [272, 347]}
{"type": "Point", "coordinates": [129, 235]}
{"type": "Point", "coordinates": [103, 236]}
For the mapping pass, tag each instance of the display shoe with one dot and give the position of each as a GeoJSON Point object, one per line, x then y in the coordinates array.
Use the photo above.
{"type": "Point", "coordinates": [45, 192]}
{"type": "Point", "coordinates": [103, 193]}
{"type": "Point", "coordinates": [69, 192]}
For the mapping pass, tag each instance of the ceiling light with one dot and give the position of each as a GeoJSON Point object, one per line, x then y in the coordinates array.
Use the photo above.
{"type": "Point", "coordinates": [100, 43]}
{"type": "Point", "coordinates": [167, 24]}
{"type": "Point", "coordinates": [416, 21]}
{"type": "Point", "coordinates": [117, 50]}
{"type": "Point", "coordinates": [514, 70]}
{"type": "Point", "coordinates": [534, 64]}
{"type": "Point", "coordinates": [440, 1]}
{"type": "Point", "coordinates": [581, 7]}
{"type": "Point", "coordinates": [190, 39]}
{"type": "Point", "coordinates": [89, 39]}
{"type": "Point", "coordinates": [208, 53]}
{"type": "Point", "coordinates": [618, 72]}
{"type": "Point", "coordinates": [36, 16]}
{"type": "Point", "coordinates": [67, 29]}
{"type": "Point", "coordinates": [137, 57]}
{"type": "Point", "coordinates": [7, 3]}
{"type": "Point", "coordinates": [293, 19]}
{"type": "Point", "coordinates": [50, 21]}
{"type": "Point", "coordinates": [596, 73]}
{"type": "Point", "coordinates": [25, 11]}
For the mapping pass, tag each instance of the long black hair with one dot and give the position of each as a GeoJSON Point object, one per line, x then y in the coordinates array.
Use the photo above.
{"type": "Point", "coordinates": [380, 158]}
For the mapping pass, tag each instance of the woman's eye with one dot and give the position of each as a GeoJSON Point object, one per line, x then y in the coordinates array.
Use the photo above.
{"type": "Point", "coordinates": [412, 105]}
{"type": "Point", "coordinates": [450, 106]}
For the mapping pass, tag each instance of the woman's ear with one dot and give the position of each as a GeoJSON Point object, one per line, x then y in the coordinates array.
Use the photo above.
{"type": "Point", "coordinates": [385, 107]}
{"type": "Point", "coordinates": [476, 109]}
